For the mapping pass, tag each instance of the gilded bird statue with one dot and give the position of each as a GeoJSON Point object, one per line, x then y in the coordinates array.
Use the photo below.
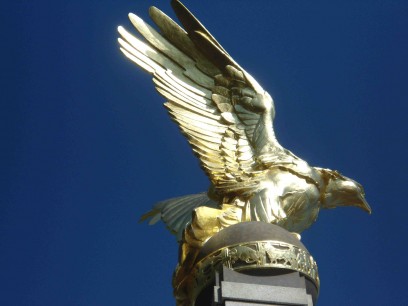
{"type": "Point", "coordinates": [227, 117]}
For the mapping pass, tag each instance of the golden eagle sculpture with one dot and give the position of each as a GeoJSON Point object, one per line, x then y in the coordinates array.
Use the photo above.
{"type": "Point", "coordinates": [227, 117]}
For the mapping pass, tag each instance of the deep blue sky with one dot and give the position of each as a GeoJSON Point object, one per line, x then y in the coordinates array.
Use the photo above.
{"type": "Point", "coordinates": [87, 146]}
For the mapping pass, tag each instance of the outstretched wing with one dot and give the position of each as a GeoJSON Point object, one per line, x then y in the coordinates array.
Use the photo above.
{"type": "Point", "coordinates": [224, 113]}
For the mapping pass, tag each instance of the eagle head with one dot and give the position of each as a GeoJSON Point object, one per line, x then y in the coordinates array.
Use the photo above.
{"type": "Point", "coordinates": [342, 191]}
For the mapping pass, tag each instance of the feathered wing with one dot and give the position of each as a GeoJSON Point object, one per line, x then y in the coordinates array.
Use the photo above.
{"type": "Point", "coordinates": [176, 212]}
{"type": "Point", "coordinates": [224, 113]}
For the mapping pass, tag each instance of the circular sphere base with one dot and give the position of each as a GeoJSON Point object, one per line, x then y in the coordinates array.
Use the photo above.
{"type": "Point", "coordinates": [257, 251]}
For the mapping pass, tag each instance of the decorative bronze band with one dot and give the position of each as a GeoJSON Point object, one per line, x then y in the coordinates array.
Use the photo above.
{"type": "Point", "coordinates": [254, 255]}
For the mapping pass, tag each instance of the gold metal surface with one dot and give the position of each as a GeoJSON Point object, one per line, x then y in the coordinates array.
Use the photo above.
{"type": "Point", "coordinates": [227, 117]}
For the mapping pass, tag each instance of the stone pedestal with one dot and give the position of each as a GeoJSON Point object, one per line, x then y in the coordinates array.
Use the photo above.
{"type": "Point", "coordinates": [255, 263]}
{"type": "Point", "coordinates": [271, 288]}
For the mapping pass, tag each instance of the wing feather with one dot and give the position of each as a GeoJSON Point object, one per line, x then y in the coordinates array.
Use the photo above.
{"type": "Point", "coordinates": [159, 42]}
{"type": "Point", "coordinates": [179, 38]}
{"type": "Point", "coordinates": [218, 106]}
{"type": "Point", "coordinates": [202, 119]}
{"type": "Point", "coordinates": [175, 98]}
{"type": "Point", "coordinates": [137, 61]}
{"type": "Point", "coordinates": [176, 212]}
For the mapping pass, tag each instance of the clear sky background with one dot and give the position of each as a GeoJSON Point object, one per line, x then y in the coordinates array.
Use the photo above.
{"type": "Point", "coordinates": [87, 146]}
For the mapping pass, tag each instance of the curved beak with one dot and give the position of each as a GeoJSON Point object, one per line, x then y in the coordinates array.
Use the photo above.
{"type": "Point", "coordinates": [364, 205]}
